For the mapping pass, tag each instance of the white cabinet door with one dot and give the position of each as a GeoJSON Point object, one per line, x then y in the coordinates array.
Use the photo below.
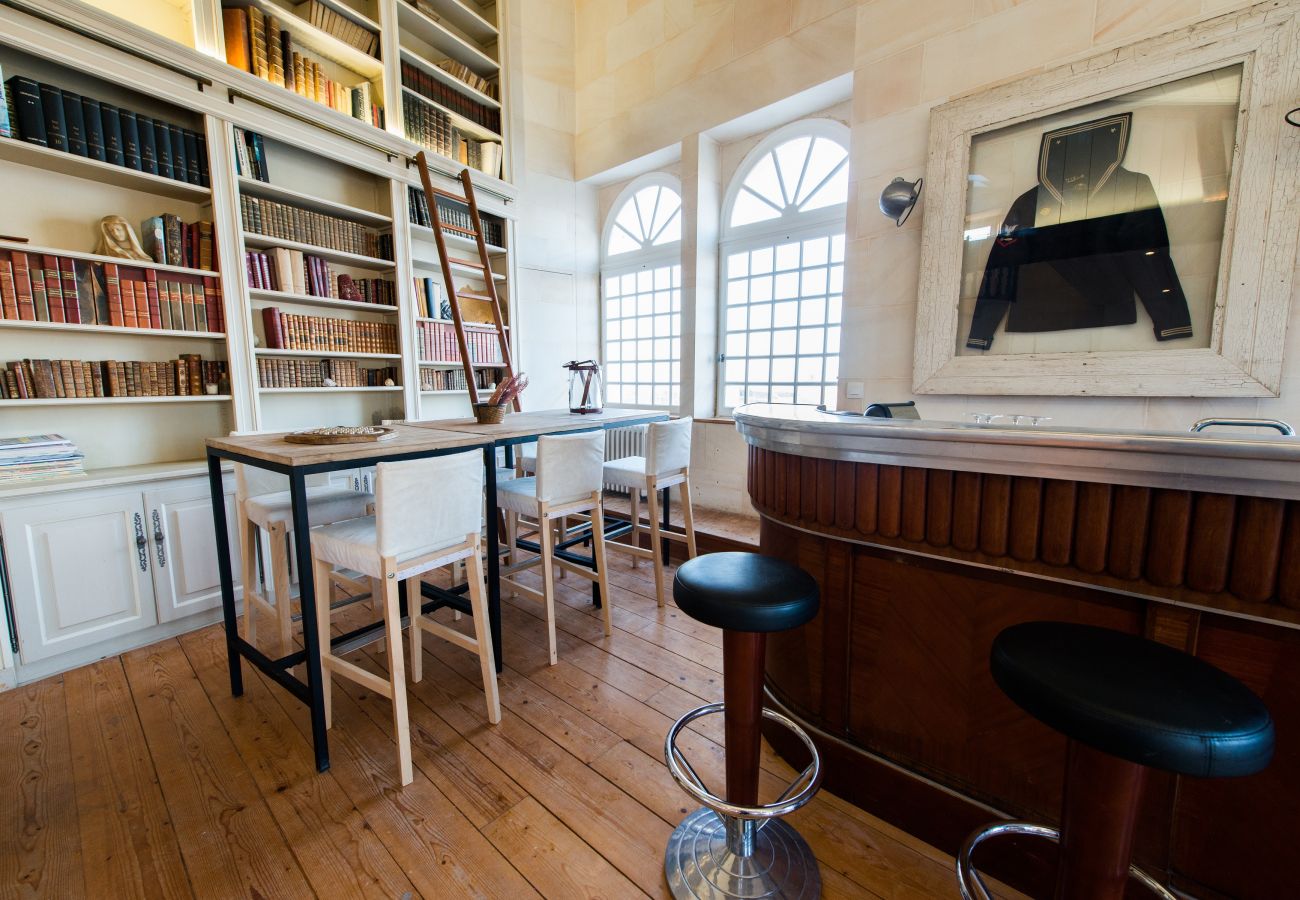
{"type": "Point", "coordinates": [183, 546]}
{"type": "Point", "coordinates": [79, 572]}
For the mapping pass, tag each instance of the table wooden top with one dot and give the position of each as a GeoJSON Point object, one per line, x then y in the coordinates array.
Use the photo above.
{"type": "Point", "coordinates": [274, 448]}
{"type": "Point", "coordinates": [548, 421]}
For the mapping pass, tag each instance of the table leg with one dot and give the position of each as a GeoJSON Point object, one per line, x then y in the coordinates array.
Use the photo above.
{"type": "Point", "coordinates": [218, 490]}
{"type": "Point", "coordinates": [311, 638]}
{"type": "Point", "coordinates": [493, 556]}
{"type": "Point", "coordinates": [665, 496]}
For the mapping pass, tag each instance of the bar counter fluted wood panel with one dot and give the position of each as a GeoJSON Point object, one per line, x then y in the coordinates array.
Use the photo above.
{"type": "Point", "coordinates": [920, 569]}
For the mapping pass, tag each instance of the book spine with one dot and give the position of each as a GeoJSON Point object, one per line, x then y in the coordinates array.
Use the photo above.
{"type": "Point", "coordinates": [152, 300]}
{"type": "Point", "coordinates": [23, 286]}
{"type": "Point", "coordinates": [68, 285]}
{"type": "Point", "coordinates": [148, 145]}
{"type": "Point", "coordinates": [111, 121]}
{"type": "Point", "coordinates": [180, 155]}
{"type": "Point", "coordinates": [114, 291]}
{"type": "Point", "coordinates": [162, 139]}
{"type": "Point", "coordinates": [75, 120]}
{"type": "Point", "coordinates": [56, 123]}
{"type": "Point", "coordinates": [93, 119]}
{"type": "Point", "coordinates": [130, 139]}
{"type": "Point", "coordinates": [234, 22]}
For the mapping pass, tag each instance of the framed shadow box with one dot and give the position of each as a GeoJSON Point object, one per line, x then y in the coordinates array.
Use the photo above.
{"type": "Point", "coordinates": [1121, 226]}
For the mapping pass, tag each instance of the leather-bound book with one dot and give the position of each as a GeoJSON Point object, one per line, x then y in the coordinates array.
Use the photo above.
{"type": "Point", "coordinates": [75, 118]}
{"type": "Point", "coordinates": [271, 325]}
{"type": "Point", "coordinates": [150, 315]}
{"type": "Point", "coordinates": [130, 139]}
{"type": "Point", "coordinates": [93, 121]}
{"type": "Point", "coordinates": [180, 156]}
{"type": "Point", "coordinates": [257, 43]}
{"type": "Point", "coordinates": [163, 150]}
{"type": "Point", "coordinates": [274, 51]}
{"type": "Point", "coordinates": [68, 282]}
{"type": "Point", "coordinates": [191, 140]}
{"type": "Point", "coordinates": [201, 149]}
{"type": "Point", "coordinates": [175, 245]}
{"type": "Point", "coordinates": [114, 291]}
{"type": "Point", "coordinates": [111, 122]}
{"type": "Point", "coordinates": [28, 115]}
{"type": "Point", "coordinates": [148, 144]}
{"type": "Point", "coordinates": [23, 286]}
{"type": "Point", "coordinates": [56, 122]}
{"type": "Point", "coordinates": [234, 22]}
{"type": "Point", "coordinates": [39, 298]}
{"type": "Point", "coordinates": [8, 292]}
{"type": "Point", "coordinates": [83, 275]}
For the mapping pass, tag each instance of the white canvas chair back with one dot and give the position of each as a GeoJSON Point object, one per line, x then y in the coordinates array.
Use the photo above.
{"type": "Point", "coordinates": [424, 504]}
{"type": "Point", "coordinates": [668, 447]}
{"type": "Point", "coordinates": [251, 481]}
{"type": "Point", "coordinates": [569, 466]}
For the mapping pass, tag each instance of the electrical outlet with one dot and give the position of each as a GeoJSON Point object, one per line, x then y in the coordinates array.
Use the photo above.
{"type": "Point", "coordinates": [853, 390]}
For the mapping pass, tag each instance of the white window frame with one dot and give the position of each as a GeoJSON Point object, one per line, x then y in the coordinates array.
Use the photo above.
{"type": "Point", "coordinates": [650, 257]}
{"type": "Point", "coordinates": [791, 225]}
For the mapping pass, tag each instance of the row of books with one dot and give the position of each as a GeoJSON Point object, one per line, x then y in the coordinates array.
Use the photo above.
{"type": "Point", "coordinates": [444, 94]}
{"type": "Point", "coordinates": [431, 128]}
{"type": "Point", "coordinates": [454, 216]}
{"type": "Point", "coordinates": [428, 300]}
{"type": "Point", "coordinates": [464, 73]}
{"type": "Point", "coordinates": [256, 43]}
{"type": "Point", "coordinates": [36, 457]}
{"type": "Point", "coordinates": [288, 373]}
{"type": "Point", "coordinates": [294, 272]}
{"type": "Point", "coordinates": [436, 342]}
{"type": "Point", "coordinates": [306, 226]}
{"type": "Point", "coordinates": [289, 331]}
{"type": "Point", "coordinates": [337, 25]}
{"type": "Point", "coordinates": [188, 375]}
{"type": "Point", "coordinates": [53, 117]}
{"type": "Point", "coordinates": [172, 242]}
{"type": "Point", "coordinates": [250, 155]}
{"type": "Point", "coordinates": [47, 288]}
{"type": "Point", "coordinates": [454, 379]}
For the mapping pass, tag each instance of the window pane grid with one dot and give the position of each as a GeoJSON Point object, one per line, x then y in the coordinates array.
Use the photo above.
{"type": "Point", "coordinates": [643, 327]}
{"type": "Point", "coordinates": [781, 321]}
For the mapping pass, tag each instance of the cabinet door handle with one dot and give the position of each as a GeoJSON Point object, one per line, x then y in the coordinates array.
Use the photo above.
{"type": "Point", "coordinates": [141, 544]}
{"type": "Point", "coordinates": [159, 543]}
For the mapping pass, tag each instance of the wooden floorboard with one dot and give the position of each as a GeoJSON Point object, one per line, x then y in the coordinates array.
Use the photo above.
{"type": "Point", "coordinates": [142, 776]}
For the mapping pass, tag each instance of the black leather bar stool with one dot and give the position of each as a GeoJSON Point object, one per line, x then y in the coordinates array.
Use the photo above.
{"type": "Point", "coordinates": [735, 847]}
{"type": "Point", "coordinates": [1128, 705]}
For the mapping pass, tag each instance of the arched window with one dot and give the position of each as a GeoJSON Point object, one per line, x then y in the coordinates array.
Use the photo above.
{"type": "Point", "coordinates": [783, 268]}
{"type": "Point", "coordinates": [641, 273]}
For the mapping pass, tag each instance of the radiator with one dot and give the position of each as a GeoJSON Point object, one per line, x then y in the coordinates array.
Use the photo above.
{"type": "Point", "coordinates": [621, 442]}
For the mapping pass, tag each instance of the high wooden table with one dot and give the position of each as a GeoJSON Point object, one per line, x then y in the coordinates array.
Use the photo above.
{"type": "Point", "coordinates": [414, 440]}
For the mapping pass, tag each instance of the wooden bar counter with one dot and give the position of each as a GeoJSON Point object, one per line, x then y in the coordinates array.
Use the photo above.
{"type": "Point", "coordinates": [929, 538]}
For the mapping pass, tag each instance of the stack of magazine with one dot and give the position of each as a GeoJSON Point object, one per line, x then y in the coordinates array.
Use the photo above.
{"type": "Point", "coordinates": [38, 457]}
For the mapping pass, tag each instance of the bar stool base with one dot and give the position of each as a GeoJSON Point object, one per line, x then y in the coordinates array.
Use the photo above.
{"type": "Point", "coordinates": [699, 864]}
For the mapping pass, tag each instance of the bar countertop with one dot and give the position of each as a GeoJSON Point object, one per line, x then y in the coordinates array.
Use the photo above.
{"type": "Point", "coordinates": [1250, 465]}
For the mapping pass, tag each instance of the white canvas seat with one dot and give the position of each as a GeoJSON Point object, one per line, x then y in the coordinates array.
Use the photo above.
{"type": "Point", "coordinates": [428, 514]}
{"type": "Point", "coordinates": [666, 464]}
{"type": "Point", "coordinates": [568, 482]}
{"type": "Point", "coordinates": [262, 504]}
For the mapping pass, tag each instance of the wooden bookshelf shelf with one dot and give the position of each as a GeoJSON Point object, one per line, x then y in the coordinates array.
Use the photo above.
{"type": "Point", "coordinates": [415, 23]}
{"type": "Point", "coordinates": [383, 388]}
{"type": "Point", "coordinates": [343, 258]}
{"type": "Point", "coordinates": [321, 42]}
{"type": "Point", "coordinates": [433, 265]}
{"type": "Point", "coordinates": [464, 17]}
{"type": "Point", "coordinates": [459, 241]}
{"type": "Point", "coordinates": [95, 401]}
{"type": "Point", "coordinates": [25, 154]}
{"type": "Point", "coordinates": [445, 77]}
{"type": "Point", "coordinates": [94, 257]}
{"type": "Point", "coordinates": [328, 302]}
{"type": "Point", "coordinates": [461, 123]}
{"type": "Point", "coordinates": [444, 393]}
{"type": "Point", "coordinates": [270, 191]}
{"type": "Point", "coordinates": [113, 330]}
{"type": "Point", "coordinates": [324, 354]}
{"type": "Point", "coordinates": [440, 364]}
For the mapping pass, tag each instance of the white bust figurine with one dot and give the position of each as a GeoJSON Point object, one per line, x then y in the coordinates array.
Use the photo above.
{"type": "Point", "coordinates": [116, 238]}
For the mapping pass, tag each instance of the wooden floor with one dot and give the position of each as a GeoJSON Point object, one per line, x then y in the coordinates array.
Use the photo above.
{"type": "Point", "coordinates": [140, 776]}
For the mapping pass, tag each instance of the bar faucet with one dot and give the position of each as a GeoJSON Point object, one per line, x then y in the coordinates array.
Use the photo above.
{"type": "Point", "coordinates": [1281, 426]}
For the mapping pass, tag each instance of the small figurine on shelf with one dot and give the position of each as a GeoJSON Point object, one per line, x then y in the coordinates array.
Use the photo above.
{"type": "Point", "coordinates": [118, 239]}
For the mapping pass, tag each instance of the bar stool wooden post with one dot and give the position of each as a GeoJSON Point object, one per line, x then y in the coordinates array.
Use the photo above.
{"type": "Point", "coordinates": [428, 514]}
{"type": "Point", "coordinates": [568, 482]}
{"type": "Point", "coordinates": [666, 464]}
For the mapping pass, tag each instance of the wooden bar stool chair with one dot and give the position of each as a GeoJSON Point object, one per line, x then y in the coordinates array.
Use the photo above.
{"type": "Point", "coordinates": [568, 481]}
{"type": "Point", "coordinates": [666, 463]}
{"type": "Point", "coordinates": [428, 513]}
{"type": "Point", "coordinates": [262, 505]}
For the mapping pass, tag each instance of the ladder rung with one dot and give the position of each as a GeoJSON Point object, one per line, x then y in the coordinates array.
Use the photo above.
{"type": "Point", "coordinates": [473, 264]}
{"type": "Point", "coordinates": [450, 196]}
{"type": "Point", "coordinates": [465, 231]}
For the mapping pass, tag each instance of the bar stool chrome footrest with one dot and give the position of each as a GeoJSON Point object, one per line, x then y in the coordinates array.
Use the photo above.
{"type": "Point", "coordinates": [972, 885]}
{"type": "Point", "coordinates": [726, 850]}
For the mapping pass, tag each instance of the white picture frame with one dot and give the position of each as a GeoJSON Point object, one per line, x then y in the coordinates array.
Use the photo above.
{"type": "Point", "coordinates": [1253, 294]}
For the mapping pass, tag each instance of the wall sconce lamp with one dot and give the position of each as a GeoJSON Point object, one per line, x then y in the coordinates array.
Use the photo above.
{"type": "Point", "coordinates": [899, 197]}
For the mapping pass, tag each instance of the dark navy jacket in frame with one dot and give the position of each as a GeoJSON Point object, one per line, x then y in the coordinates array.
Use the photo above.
{"type": "Point", "coordinates": [1075, 250]}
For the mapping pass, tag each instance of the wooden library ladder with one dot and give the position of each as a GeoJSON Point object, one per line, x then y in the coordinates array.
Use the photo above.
{"type": "Point", "coordinates": [431, 195]}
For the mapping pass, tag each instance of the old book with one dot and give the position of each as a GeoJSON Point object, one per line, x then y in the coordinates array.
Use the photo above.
{"type": "Point", "coordinates": [28, 115]}
{"type": "Point", "coordinates": [213, 307]}
{"type": "Point", "coordinates": [8, 292]}
{"type": "Point", "coordinates": [239, 53]}
{"type": "Point", "coordinates": [76, 122]}
{"type": "Point", "coordinates": [130, 139]}
{"type": "Point", "coordinates": [113, 290]}
{"type": "Point", "coordinates": [189, 305]}
{"type": "Point", "coordinates": [68, 283]}
{"type": "Point", "coordinates": [162, 145]}
{"type": "Point", "coordinates": [56, 122]}
{"type": "Point", "coordinates": [272, 327]}
{"type": "Point", "coordinates": [93, 120]}
{"type": "Point", "coordinates": [192, 170]}
{"type": "Point", "coordinates": [286, 54]}
{"type": "Point", "coordinates": [53, 286]}
{"type": "Point", "coordinates": [165, 308]}
{"type": "Point", "coordinates": [148, 144]}
{"type": "Point", "coordinates": [127, 289]}
{"type": "Point", "coordinates": [205, 177]}
{"type": "Point", "coordinates": [40, 300]}
{"type": "Point", "coordinates": [87, 287]}
{"type": "Point", "coordinates": [111, 123]}
{"type": "Point", "coordinates": [151, 311]}
{"type": "Point", "coordinates": [206, 255]}
{"type": "Point", "coordinates": [180, 156]}
{"type": "Point", "coordinates": [261, 66]}
{"type": "Point", "coordinates": [96, 378]}
{"type": "Point", "coordinates": [175, 246]}
{"type": "Point", "coordinates": [153, 238]}
{"type": "Point", "coordinates": [274, 51]}
{"type": "Point", "coordinates": [299, 75]}
{"type": "Point", "coordinates": [100, 276]}
{"type": "Point", "coordinates": [172, 295]}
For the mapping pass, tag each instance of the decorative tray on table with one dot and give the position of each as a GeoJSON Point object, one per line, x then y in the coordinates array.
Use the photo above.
{"type": "Point", "coordinates": [341, 434]}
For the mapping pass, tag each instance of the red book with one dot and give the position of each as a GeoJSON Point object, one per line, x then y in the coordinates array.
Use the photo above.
{"type": "Point", "coordinates": [271, 325]}
{"type": "Point", "coordinates": [23, 286]}
{"type": "Point", "coordinates": [68, 278]}
{"type": "Point", "coordinates": [114, 290]}
{"type": "Point", "coordinates": [53, 287]}
{"type": "Point", "coordinates": [127, 288]}
{"type": "Point", "coordinates": [8, 293]}
{"type": "Point", "coordinates": [152, 313]}
{"type": "Point", "coordinates": [212, 305]}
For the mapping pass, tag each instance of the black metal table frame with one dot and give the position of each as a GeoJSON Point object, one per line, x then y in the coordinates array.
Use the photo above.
{"type": "Point", "coordinates": [311, 693]}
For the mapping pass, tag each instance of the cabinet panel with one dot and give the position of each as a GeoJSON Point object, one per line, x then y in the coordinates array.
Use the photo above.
{"type": "Point", "coordinates": [79, 571]}
{"type": "Point", "coordinates": [183, 547]}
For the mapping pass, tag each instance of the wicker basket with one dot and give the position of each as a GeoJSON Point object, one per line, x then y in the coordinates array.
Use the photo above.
{"type": "Point", "coordinates": [489, 414]}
